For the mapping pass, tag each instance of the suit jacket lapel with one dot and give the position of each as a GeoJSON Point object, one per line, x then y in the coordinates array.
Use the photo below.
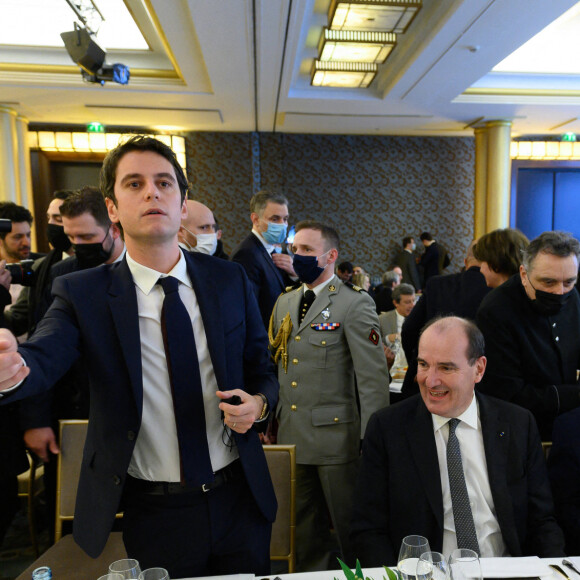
{"type": "Point", "coordinates": [268, 261]}
{"type": "Point", "coordinates": [211, 314]}
{"type": "Point", "coordinates": [424, 454]}
{"type": "Point", "coordinates": [496, 443]}
{"type": "Point", "coordinates": [123, 305]}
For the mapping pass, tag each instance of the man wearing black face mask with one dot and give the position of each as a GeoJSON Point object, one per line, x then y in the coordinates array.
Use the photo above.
{"type": "Point", "coordinates": [27, 311]}
{"type": "Point", "coordinates": [96, 240]}
{"type": "Point", "coordinates": [323, 334]}
{"type": "Point", "coordinates": [531, 325]}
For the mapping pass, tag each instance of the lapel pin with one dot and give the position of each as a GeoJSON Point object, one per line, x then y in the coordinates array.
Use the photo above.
{"type": "Point", "coordinates": [502, 433]}
{"type": "Point", "coordinates": [325, 314]}
{"type": "Point", "coordinates": [332, 287]}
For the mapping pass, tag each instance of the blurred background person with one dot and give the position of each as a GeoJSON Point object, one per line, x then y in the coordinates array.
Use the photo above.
{"type": "Point", "coordinates": [391, 324]}
{"type": "Point", "coordinates": [384, 292]}
{"type": "Point", "coordinates": [344, 271]}
{"type": "Point", "coordinates": [362, 281]}
{"type": "Point", "coordinates": [500, 254]}
{"type": "Point", "coordinates": [459, 294]}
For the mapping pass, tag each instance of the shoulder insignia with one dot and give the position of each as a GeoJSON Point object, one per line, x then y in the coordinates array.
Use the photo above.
{"type": "Point", "coordinates": [374, 337]}
{"type": "Point", "coordinates": [353, 287]}
{"type": "Point", "coordinates": [294, 286]}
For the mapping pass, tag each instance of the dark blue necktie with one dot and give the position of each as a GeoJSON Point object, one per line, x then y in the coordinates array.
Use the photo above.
{"type": "Point", "coordinates": [462, 514]}
{"type": "Point", "coordinates": [185, 380]}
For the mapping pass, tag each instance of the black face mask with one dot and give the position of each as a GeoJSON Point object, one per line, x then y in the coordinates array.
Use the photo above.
{"type": "Point", "coordinates": [91, 255]}
{"type": "Point", "coordinates": [550, 304]}
{"type": "Point", "coordinates": [57, 238]}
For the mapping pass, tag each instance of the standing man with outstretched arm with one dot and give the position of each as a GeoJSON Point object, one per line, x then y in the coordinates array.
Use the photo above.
{"type": "Point", "coordinates": [195, 489]}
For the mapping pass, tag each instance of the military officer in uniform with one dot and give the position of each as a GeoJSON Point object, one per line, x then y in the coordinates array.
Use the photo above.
{"type": "Point", "coordinates": [323, 334]}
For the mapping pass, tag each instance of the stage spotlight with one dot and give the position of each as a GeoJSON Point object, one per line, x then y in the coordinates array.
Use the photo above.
{"type": "Point", "coordinates": [85, 52]}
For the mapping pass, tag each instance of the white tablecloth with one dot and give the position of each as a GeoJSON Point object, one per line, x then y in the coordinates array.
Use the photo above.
{"type": "Point", "coordinates": [375, 573]}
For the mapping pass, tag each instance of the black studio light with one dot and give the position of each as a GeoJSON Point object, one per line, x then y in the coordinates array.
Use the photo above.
{"type": "Point", "coordinates": [90, 57]}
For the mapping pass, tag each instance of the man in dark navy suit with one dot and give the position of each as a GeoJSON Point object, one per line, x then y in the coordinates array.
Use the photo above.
{"type": "Point", "coordinates": [411, 474]}
{"type": "Point", "coordinates": [96, 240]}
{"type": "Point", "coordinates": [270, 271]}
{"type": "Point", "coordinates": [194, 508]}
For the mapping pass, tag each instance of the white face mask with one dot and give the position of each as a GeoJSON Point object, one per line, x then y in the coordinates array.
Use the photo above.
{"type": "Point", "coordinates": [206, 243]}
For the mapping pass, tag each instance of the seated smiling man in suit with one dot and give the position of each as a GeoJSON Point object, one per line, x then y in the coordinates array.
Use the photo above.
{"type": "Point", "coordinates": [496, 497]}
{"type": "Point", "coordinates": [162, 349]}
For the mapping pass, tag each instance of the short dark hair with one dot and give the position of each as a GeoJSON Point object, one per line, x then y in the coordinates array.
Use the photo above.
{"type": "Point", "coordinates": [402, 290]}
{"type": "Point", "coordinates": [62, 194]}
{"type": "Point", "coordinates": [407, 240]}
{"type": "Point", "coordinates": [475, 340]}
{"type": "Point", "coordinates": [15, 213]}
{"type": "Point", "coordinates": [345, 267]}
{"type": "Point", "coordinates": [556, 243]}
{"type": "Point", "coordinates": [138, 143]}
{"type": "Point", "coordinates": [502, 250]}
{"type": "Point", "coordinates": [329, 235]}
{"type": "Point", "coordinates": [426, 236]}
{"type": "Point", "coordinates": [87, 200]}
{"type": "Point", "coordinates": [262, 198]}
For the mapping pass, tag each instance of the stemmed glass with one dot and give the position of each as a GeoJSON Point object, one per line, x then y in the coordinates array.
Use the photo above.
{"type": "Point", "coordinates": [112, 576]}
{"type": "Point", "coordinates": [128, 568]}
{"type": "Point", "coordinates": [154, 574]}
{"type": "Point", "coordinates": [464, 565]}
{"type": "Point", "coordinates": [432, 566]}
{"type": "Point", "coordinates": [411, 549]}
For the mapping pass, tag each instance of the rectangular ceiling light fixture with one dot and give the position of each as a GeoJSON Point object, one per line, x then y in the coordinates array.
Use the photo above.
{"type": "Point", "coordinates": [385, 15]}
{"type": "Point", "coordinates": [356, 46]}
{"type": "Point", "coordinates": [353, 75]}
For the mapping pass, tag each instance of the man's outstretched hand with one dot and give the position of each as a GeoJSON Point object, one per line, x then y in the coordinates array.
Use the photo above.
{"type": "Point", "coordinates": [12, 369]}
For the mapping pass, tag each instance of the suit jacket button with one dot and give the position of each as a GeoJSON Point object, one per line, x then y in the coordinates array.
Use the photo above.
{"type": "Point", "coordinates": [336, 419]}
{"type": "Point", "coordinates": [323, 343]}
{"type": "Point", "coordinates": [131, 435]}
{"type": "Point", "coordinates": [294, 361]}
{"type": "Point", "coordinates": [293, 384]}
{"type": "Point", "coordinates": [293, 407]}
{"type": "Point", "coordinates": [297, 339]}
{"type": "Point", "coordinates": [116, 480]}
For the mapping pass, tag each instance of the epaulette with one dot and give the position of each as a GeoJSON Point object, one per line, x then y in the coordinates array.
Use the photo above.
{"type": "Point", "coordinates": [353, 287]}
{"type": "Point", "coordinates": [294, 286]}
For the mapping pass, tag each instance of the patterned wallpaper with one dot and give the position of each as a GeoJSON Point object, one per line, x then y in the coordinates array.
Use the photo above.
{"type": "Point", "coordinates": [374, 190]}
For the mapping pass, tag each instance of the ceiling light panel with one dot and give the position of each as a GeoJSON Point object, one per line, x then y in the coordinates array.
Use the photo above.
{"type": "Point", "coordinates": [353, 75]}
{"type": "Point", "coordinates": [387, 16]}
{"type": "Point", "coordinates": [356, 46]}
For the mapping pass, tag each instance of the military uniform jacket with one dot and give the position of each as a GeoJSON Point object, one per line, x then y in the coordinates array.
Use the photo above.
{"type": "Point", "coordinates": [338, 338]}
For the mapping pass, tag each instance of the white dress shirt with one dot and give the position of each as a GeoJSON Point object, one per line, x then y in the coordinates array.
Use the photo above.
{"type": "Point", "coordinates": [156, 453]}
{"type": "Point", "coordinates": [319, 287]}
{"type": "Point", "coordinates": [476, 478]}
{"type": "Point", "coordinates": [269, 247]}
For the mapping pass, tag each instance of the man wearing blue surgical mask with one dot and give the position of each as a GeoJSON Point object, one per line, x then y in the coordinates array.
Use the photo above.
{"type": "Point", "coordinates": [263, 253]}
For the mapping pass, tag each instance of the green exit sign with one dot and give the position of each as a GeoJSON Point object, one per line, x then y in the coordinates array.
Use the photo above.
{"type": "Point", "coordinates": [95, 128]}
{"type": "Point", "coordinates": [569, 137]}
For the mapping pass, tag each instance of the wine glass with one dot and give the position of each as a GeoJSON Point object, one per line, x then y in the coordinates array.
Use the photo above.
{"type": "Point", "coordinates": [128, 568]}
{"type": "Point", "coordinates": [154, 574]}
{"type": "Point", "coordinates": [432, 566]}
{"type": "Point", "coordinates": [112, 576]}
{"type": "Point", "coordinates": [411, 549]}
{"type": "Point", "coordinates": [464, 565]}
